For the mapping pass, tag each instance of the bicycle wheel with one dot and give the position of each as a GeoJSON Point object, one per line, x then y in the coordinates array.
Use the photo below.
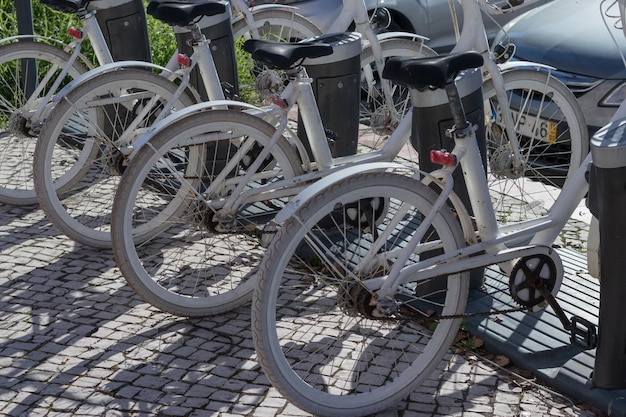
{"type": "Point", "coordinates": [317, 331]}
{"type": "Point", "coordinates": [553, 143]}
{"type": "Point", "coordinates": [378, 116]}
{"type": "Point", "coordinates": [173, 239]}
{"type": "Point", "coordinates": [279, 25]}
{"type": "Point", "coordinates": [80, 155]}
{"type": "Point", "coordinates": [28, 71]}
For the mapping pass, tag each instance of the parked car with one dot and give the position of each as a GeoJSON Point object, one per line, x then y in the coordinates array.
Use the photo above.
{"type": "Point", "coordinates": [430, 18]}
{"type": "Point", "coordinates": [571, 36]}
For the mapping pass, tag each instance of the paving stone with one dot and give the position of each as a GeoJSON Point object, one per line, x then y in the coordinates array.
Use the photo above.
{"type": "Point", "coordinates": [75, 340]}
{"type": "Point", "coordinates": [507, 398]}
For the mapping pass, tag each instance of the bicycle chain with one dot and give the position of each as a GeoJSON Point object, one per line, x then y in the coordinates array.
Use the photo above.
{"type": "Point", "coordinates": [259, 233]}
{"type": "Point", "coordinates": [478, 314]}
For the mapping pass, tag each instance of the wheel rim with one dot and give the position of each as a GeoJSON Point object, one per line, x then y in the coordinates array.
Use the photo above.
{"type": "Point", "coordinates": [305, 347]}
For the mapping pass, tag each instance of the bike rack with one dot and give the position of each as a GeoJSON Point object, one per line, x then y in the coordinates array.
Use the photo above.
{"type": "Point", "coordinates": [24, 16]}
{"type": "Point", "coordinates": [218, 29]}
{"type": "Point", "coordinates": [125, 29]}
{"type": "Point", "coordinates": [606, 200]}
{"type": "Point", "coordinates": [336, 86]}
{"type": "Point", "coordinates": [431, 121]}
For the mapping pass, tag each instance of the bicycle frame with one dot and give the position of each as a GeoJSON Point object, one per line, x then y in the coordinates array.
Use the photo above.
{"type": "Point", "coordinates": [300, 92]}
{"type": "Point", "coordinates": [492, 248]}
{"type": "Point", "coordinates": [488, 242]}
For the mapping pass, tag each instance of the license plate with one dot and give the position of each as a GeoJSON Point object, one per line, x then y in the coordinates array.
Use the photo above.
{"type": "Point", "coordinates": [533, 127]}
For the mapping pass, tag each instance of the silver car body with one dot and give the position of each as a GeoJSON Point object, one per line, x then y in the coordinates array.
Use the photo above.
{"type": "Point", "coordinates": [584, 46]}
{"type": "Point", "coordinates": [429, 18]}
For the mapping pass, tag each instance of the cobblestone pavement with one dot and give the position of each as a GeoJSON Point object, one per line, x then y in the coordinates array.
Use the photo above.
{"type": "Point", "coordinates": [76, 341]}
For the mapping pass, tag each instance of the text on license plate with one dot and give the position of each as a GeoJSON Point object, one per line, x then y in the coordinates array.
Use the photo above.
{"type": "Point", "coordinates": [526, 124]}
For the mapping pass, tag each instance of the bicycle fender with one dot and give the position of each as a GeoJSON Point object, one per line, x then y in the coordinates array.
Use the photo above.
{"type": "Point", "coordinates": [113, 66]}
{"type": "Point", "coordinates": [190, 111]}
{"type": "Point", "coordinates": [274, 7]}
{"type": "Point", "coordinates": [320, 185]}
{"type": "Point", "coordinates": [33, 38]}
{"type": "Point", "coordinates": [407, 35]}
{"type": "Point", "coordinates": [512, 65]}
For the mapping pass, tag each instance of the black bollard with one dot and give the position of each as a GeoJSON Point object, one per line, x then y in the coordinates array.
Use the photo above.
{"type": "Point", "coordinates": [125, 29]}
{"type": "Point", "coordinates": [607, 201]}
{"type": "Point", "coordinates": [218, 30]}
{"type": "Point", "coordinates": [336, 86]}
{"type": "Point", "coordinates": [24, 16]}
{"type": "Point", "coordinates": [431, 119]}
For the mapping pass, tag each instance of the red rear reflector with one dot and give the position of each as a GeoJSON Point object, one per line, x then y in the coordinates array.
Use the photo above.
{"type": "Point", "coordinates": [280, 102]}
{"type": "Point", "coordinates": [443, 157]}
{"type": "Point", "coordinates": [75, 33]}
{"type": "Point", "coordinates": [183, 60]}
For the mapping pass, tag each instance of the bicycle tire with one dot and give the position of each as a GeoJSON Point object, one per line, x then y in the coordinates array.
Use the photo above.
{"type": "Point", "coordinates": [18, 132]}
{"type": "Point", "coordinates": [281, 25]}
{"type": "Point", "coordinates": [78, 160]}
{"type": "Point", "coordinates": [315, 331]}
{"type": "Point", "coordinates": [378, 119]}
{"type": "Point", "coordinates": [552, 149]}
{"type": "Point", "coordinates": [182, 264]}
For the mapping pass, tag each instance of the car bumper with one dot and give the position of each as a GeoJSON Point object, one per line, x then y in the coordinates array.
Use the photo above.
{"type": "Point", "coordinates": [592, 101]}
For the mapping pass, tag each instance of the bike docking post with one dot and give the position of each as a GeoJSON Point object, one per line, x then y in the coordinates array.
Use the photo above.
{"type": "Point", "coordinates": [218, 30]}
{"type": "Point", "coordinates": [431, 120]}
{"type": "Point", "coordinates": [125, 28]}
{"type": "Point", "coordinates": [606, 200]}
{"type": "Point", "coordinates": [24, 15]}
{"type": "Point", "coordinates": [336, 87]}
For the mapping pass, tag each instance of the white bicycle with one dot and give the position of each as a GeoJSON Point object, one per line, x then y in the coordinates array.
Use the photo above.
{"type": "Point", "coordinates": [363, 288]}
{"type": "Point", "coordinates": [69, 180]}
{"type": "Point", "coordinates": [188, 232]}
{"type": "Point", "coordinates": [351, 316]}
{"type": "Point", "coordinates": [35, 69]}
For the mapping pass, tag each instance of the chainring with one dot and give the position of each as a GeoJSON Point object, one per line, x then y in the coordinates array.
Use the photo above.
{"type": "Point", "coordinates": [531, 273]}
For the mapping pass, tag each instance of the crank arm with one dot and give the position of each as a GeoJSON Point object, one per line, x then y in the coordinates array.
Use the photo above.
{"type": "Point", "coordinates": [582, 332]}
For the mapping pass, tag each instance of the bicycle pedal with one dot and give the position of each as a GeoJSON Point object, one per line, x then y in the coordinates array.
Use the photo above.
{"type": "Point", "coordinates": [583, 333]}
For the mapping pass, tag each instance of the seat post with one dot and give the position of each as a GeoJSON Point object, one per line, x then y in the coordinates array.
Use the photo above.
{"type": "Point", "coordinates": [456, 105]}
